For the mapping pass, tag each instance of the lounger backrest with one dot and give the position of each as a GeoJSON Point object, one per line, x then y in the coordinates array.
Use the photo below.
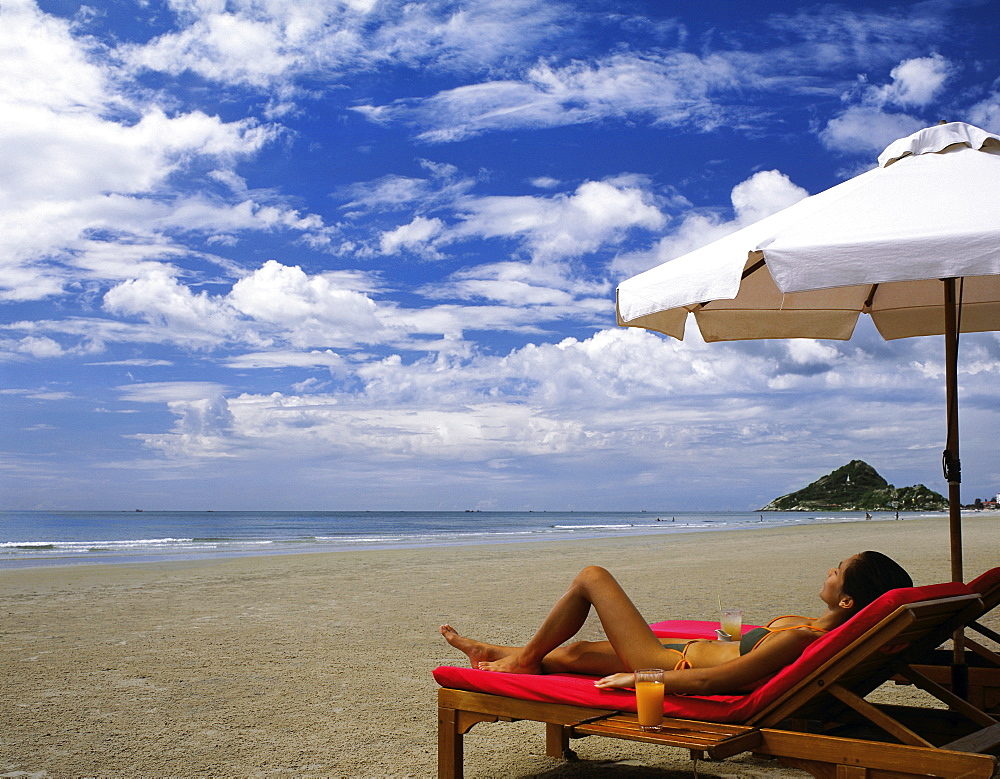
{"type": "Point", "coordinates": [988, 587]}
{"type": "Point", "coordinates": [859, 654]}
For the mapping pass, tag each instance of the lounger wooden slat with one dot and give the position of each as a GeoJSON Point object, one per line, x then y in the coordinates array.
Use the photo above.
{"type": "Point", "coordinates": [983, 652]}
{"type": "Point", "coordinates": [877, 717]}
{"type": "Point", "coordinates": [831, 756]}
{"type": "Point", "coordinates": [943, 694]}
{"type": "Point", "coordinates": [981, 741]}
{"type": "Point", "coordinates": [984, 680]}
{"type": "Point", "coordinates": [985, 631]}
{"type": "Point", "coordinates": [483, 703]}
{"type": "Point", "coordinates": [716, 740]}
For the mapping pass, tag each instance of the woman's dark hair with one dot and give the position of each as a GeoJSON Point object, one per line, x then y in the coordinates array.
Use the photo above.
{"type": "Point", "coordinates": [870, 575]}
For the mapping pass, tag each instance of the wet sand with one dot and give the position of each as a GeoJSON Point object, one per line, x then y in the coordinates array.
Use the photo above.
{"type": "Point", "coordinates": [320, 665]}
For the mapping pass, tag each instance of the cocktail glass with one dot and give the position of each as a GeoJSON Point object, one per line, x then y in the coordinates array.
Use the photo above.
{"type": "Point", "coordinates": [732, 623]}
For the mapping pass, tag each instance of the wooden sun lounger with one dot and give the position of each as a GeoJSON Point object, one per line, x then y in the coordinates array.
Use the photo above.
{"type": "Point", "coordinates": [831, 694]}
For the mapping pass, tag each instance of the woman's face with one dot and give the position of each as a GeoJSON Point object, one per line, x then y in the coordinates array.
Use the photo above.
{"type": "Point", "coordinates": [833, 588]}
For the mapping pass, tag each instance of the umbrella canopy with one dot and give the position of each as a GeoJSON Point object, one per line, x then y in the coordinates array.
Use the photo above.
{"type": "Point", "coordinates": [914, 243]}
{"type": "Point", "coordinates": [878, 244]}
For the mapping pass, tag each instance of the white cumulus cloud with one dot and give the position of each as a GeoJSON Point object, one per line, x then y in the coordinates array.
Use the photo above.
{"type": "Point", "coordinates": [915, 82]}
{"type": "Point", "coordinates": [417, 236]}
{"type": "Point", "coordinates": [670, 89]}
{"type": "Point", "coordinates": [307, 310]}
{"type": "Point", "coordinates": [986, 113]}
{"type": "Point", "coordinates": [97, 176]}
{"type": "Point", "coordinates": [870, 121]}
{"type": "Point", "coordinates": [268, 44]}
{"type": "Point", "coordinates": [764, 193]}
{"type": "Point", "coordinates": [867, 129]}
{"type": "Point", "coordinates": [598, 213]}
{"type": "Point", "coordinates": [160, 299]}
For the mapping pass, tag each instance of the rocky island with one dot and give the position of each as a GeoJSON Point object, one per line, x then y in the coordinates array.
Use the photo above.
{"type": "Point", "coordinates": [858, 487]}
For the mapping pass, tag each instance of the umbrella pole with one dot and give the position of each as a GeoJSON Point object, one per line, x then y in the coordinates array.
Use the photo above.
{"type": "Point", "coordinates": [953, 473]}
{"type": "Point", "coordinates": [952, 463]}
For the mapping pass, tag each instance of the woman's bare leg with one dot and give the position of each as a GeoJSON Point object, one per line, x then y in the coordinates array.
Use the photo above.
{"type": "Point", "coordinates": [585, 657]}
{"type": "Point", "coordinates": [629, 635]}
{"type": "Point", "coordinates": [590, 657]}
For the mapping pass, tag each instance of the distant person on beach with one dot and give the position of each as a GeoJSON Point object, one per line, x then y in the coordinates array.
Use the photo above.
{"type": "Point", "coordinates": [703, 667]}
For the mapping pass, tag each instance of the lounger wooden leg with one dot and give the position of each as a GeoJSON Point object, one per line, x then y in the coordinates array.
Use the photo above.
{"type": "Point", "coordinates": [452, 725]}
{"type": "Point", "coordinates": [557, 742]}
{"type": "Point", "coordinates": [450, 747]}
{"type": "Point", "coordinates": [851, 772]}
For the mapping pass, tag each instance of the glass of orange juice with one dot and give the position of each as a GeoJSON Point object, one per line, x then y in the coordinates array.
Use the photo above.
{"type": "Point", "coordinates": [649, 698]}
{"type": "Point", "coordinates": [732, 623]}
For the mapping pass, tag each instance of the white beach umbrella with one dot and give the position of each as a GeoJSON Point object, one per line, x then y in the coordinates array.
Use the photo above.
{"type": "Point", "coordinates": [914, 243]}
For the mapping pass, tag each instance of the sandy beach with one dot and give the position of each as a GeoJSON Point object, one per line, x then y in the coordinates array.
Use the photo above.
{"type": "Point", "coordinates": [320, 665]}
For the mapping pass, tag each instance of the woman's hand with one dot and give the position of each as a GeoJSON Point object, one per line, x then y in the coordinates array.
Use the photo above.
{"type": "Point", "coordinates": [616, 680]}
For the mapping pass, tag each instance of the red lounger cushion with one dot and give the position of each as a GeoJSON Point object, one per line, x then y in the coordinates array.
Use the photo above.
{"type": "Point", "coordinates": [580, 691]}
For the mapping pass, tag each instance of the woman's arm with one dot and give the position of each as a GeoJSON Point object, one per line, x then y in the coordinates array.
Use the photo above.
{"type": "Point", "coordinates": [741, 673]}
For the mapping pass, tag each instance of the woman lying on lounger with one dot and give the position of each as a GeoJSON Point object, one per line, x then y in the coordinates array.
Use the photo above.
{"type": "Point", "coordinates": [702, 667]}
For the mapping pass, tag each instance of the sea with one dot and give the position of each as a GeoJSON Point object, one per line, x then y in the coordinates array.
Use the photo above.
{"type": "Point", "coordinates": [47, 538]}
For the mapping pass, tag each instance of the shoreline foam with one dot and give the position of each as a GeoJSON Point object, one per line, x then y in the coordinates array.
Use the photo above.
{"type": "Point", "coordinates": [93, 538]}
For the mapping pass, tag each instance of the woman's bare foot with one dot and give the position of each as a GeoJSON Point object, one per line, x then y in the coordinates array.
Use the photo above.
{"type": "Point", "coordinates": [513, 663]}
{"type": "Point", "coordinates": [478, 652]}
{"type": "Point", "coordinates": [616, 680]}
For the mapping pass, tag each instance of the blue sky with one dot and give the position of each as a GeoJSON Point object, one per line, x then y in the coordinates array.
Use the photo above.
{"type": "Point", "coordinates": [362, 254]}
